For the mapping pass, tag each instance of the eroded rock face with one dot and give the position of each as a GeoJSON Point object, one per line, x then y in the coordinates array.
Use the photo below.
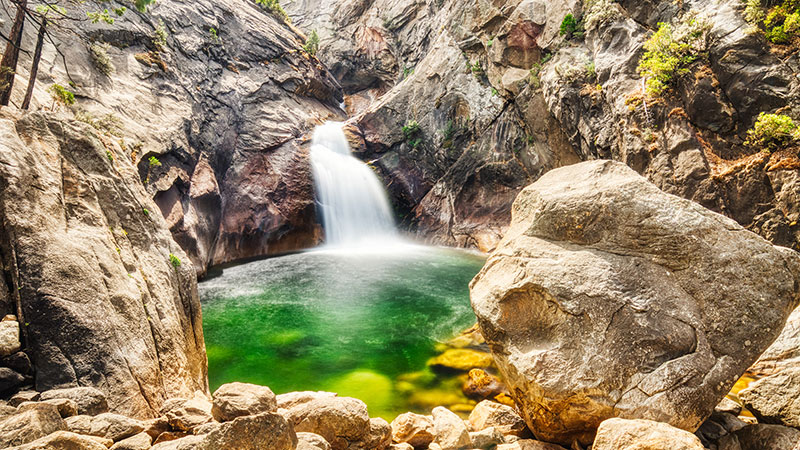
{"type": "Point", "coordinates": [609, 297]}
{"type": "Point", "coordinates": [103, 304]}
{"type": "Point", "coordinates": [222, 116]}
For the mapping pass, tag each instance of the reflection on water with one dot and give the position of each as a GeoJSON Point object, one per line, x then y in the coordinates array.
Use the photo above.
{"type": "Point", "coordinates": [342, 321]}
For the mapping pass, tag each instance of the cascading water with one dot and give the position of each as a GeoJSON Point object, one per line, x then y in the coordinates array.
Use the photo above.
{"type": "Point", "coordinates": [354, 205]}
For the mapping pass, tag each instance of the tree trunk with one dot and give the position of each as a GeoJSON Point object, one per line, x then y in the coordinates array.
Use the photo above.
{"type": "Point", "coordinates": [11, 55]}
{"type": "Point", "coordinates": [37, 56]}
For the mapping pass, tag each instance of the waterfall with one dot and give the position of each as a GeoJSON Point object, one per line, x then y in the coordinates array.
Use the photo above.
{"type": "Point", "coordinates": [354, 205]}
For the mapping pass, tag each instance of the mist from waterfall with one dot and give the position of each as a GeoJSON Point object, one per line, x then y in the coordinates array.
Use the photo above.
{"type": "Point", "coordinates": [353, 203]}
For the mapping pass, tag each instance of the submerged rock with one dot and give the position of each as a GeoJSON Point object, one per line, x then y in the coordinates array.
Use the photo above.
{"type": "Point", "coordinates": [609, 297]}
{"type": "Point", "coordinates": [462, 360]}
{"type": "Point", "coordinates": [622, 434]}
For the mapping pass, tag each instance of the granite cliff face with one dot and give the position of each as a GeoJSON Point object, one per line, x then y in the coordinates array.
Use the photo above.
{"type": "Point", "coordinates": [497, 96]}
{"type": "Point", "coordinates": [105, 295]}
{"type": "Point", "coordinates": [220, 110]}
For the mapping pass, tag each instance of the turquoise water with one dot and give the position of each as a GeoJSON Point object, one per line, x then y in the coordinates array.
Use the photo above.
{"type": "Point", "coordinates": [341, 321]}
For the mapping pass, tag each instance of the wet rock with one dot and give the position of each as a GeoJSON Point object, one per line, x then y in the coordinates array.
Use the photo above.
{"type": "Point", "coordinates": [570, 301]}
{"type": "Point", "coordinates": [187, 414]}
{"type": "Point", "coordinates": [64, 440]}
{"type": "Point", "coordinates": [311, 441]}
{"type": "Point", "coordinates": [341, 421]}
{"type": "Point", "coordinates": [9, 337]}
{"type": "Point", "coordinates": [89, 401]}
{"type": "Point", "coordinates": [107, 425]}
{"type": "Point", "coordinates": [622, 434]}
{"type": "Point", "coordinates": [449, 430]}
{"type": "Point", "coordinates": [141, 441]}
{"type": "Point", "coordinates": [233, 400]}
{"type": "Point", "coordinates": [487, 438]}
{"type": "Point", "coordinates": [761, 437]}
{"type": "Point", "coordinates": [481, 385]}
{"type": "Point", "coordinates": [414, 429]}
{"type": "Point", "coordinates": [461, 360]}
{"type": "Point", "coordinates": [31, 423]}
{"type": "Point", "coordinates": [488, 414]}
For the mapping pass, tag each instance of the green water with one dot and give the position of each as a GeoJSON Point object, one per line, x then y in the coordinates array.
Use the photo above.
{"type": "Point", "coordinates": [346, 322]}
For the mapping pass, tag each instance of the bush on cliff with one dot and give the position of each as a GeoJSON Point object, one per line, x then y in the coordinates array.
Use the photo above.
{"type": "Point", "coordinates": [670, 51]}
{"type": "Point", "coordinates": [773, 132]}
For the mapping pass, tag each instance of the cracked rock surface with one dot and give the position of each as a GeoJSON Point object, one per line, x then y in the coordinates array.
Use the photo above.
{"type": "Point", "coordinates": [610, 298]}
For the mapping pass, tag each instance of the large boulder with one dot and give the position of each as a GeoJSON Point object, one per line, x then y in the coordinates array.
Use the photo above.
{"type": "Point", "coordinates": [609, 297]}
{"type": "Point", "coordinates": [104, 303]}
{"type": "Point", "coordinates": [262, 431]}
{"type": "Point", "coordinates": [233, 400]}
{"type": "Point", "coordinates": [88, 400]}
{"type": "Point", "coordinates": [31, 423]}
{"type": "Point", "coordinates": [776, 398]}
{"type": "Point", "coordinates": [187, 414]}
{"type": "Point", "coordinates": [342, 421]}
{"type": "Point", "coordinates": [622, 434]}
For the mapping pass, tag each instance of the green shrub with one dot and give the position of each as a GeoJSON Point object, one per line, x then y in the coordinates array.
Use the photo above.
{"type": "Point", "coordinates": [476, 69]}
{"type": "Point", "coordinates": [160, 35]}
{"type": "Point", "coordinates": [780, 20]}
{"type": "Point", "coordinates": [214, 34]}
{"type": "Point", "coordinates": [411, 131]}
{"type": "Point", "coordinates": [571, 27]}
{"type": "Point", "coordinates": [537, 68]}
{"type": "Point", "coordinates": [669, 52]}
{"type": "Point", "coordinates": [154, 162]}
{"type": "Point", "coordinates": [274, 6]}
{"type": "Point", "coordinates": [174, 260]}
{"type": "Point", "coordinates": [312, 43]}
{"type": "Point", "coordinates": [773, 132]}
{"type": "Point", "coordinates": [99, 53]}
{"type": "Point", "coordinates": [61, 94]}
